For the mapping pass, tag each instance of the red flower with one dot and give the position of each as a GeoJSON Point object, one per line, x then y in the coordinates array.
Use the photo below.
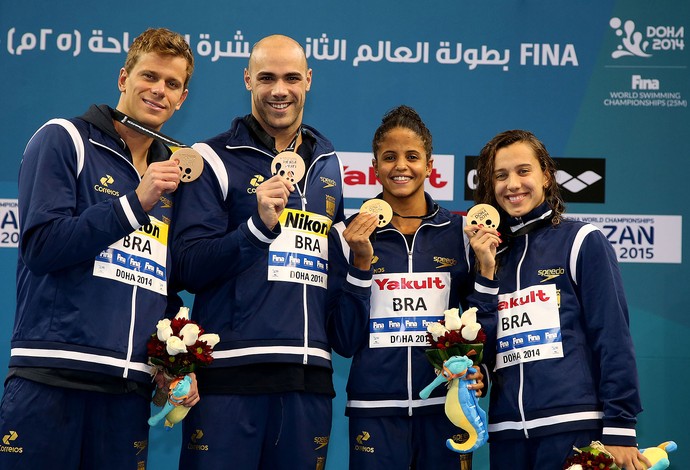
{"type": "Point", "coordinates": [202, 352]}
{"type": "Point", "coordinates": [589, 461]}
{"type": "Point", "coordinates": [196, 355]}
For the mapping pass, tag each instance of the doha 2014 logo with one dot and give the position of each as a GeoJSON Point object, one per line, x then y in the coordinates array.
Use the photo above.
{"type": "Point", "coordinates": [645, 41]}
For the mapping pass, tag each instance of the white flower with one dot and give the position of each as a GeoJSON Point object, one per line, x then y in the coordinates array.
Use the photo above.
{"type": "Point", "coordinates": [469, 316]}
{"type": "Point", "coordinates": [163, 329]}
{"type": "Point", "coordinates": [436, 330]}
{"type": "Point", "coordinates": [175, 345]}
{"type": "Point", "coordinates": [470, 326]}
{"type": "Point", "coordinates": [190, 333]}
{"type": "Point", "coordinates": [452, 319]}
{"type": "Point", "coordinates": [183, 313]}
{"type": "Point", "coordinates": [577, 466]}
{"type": "Point", "coordinates": [469, 332]}
{"type": "Point", "coordinates": [210, 338]}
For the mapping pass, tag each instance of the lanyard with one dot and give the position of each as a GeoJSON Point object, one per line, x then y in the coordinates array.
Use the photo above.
{"type": "Point", "coordinates": [191, 163]}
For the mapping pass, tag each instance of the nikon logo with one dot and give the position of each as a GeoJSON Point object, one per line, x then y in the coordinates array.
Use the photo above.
{"type": "Point", "coordinates": [302, 221]}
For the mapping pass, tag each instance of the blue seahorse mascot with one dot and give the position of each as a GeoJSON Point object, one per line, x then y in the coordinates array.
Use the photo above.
{"type": "Point", "coordinates": [172, 411]}
{"type": "Point", "coordinates": [462, 407]}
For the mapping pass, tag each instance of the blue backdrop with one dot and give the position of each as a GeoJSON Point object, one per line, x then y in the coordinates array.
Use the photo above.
{"type": "Point", "coordinates": [605, 84]}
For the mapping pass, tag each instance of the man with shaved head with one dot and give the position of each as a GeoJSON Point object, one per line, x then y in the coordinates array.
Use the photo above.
{"type": "Point", "coordinates": [251, 244]}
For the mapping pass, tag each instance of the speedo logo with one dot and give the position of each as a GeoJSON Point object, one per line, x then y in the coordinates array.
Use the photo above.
{"type": "Point", "coordinates": [549, 274]}
{"type": "Point", "coordinates": [444, 262]}
{"type": "Point", "coordinates": [328, 183]}
{"type": "Point", "coordinates": [140, 446]}
{"type": "Point", "coordinates": [321, 441]}
{"type": "Point", "coordinates": [166, 203]}
{"type": "Point", "coordinates": [106, 181]}
{"type": "Point", "coordinates": [7, 443]}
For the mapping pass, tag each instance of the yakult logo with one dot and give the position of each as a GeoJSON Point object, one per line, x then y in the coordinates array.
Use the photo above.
{"type": "Point", "coordinates": [530, 298]}
{"type": "Point", "coordinates": [361, 181]}
{"type": "Point", "coordinates": [640, 43]}
{"type": "Point", "coordinates": [403, 283]}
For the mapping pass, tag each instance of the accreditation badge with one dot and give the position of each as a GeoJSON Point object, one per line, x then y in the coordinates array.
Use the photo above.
{"type": "Point", "coordinates": [138, 259]}
{"type": "Point", "coordinates": [529, 326]}
{"type": "Point", "coordinates": [300, 253]}
{"type": "Point", "coordinates": [403, 305]}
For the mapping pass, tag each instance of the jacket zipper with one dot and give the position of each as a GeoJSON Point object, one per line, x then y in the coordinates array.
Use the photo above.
{"type": "Point", "coordinates": [521, 405]}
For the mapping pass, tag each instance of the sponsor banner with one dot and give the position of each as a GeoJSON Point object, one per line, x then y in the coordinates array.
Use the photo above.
{"type": "Point", "coordinates": [361, 182]}
{"type": "Point", "coordinates": [640, 238]}
{"type": "Point", "coordinates": [9, 223]}
{"type": "Point", "coordinates": [580, 179]}
{"type": "Point", "coordinates": [475, 54]}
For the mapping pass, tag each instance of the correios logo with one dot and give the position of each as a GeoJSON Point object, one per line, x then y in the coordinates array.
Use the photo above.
{"type": "Point", "coordinates": [360, 179]}
{"type": "Point", "coordinates": [641, 42]}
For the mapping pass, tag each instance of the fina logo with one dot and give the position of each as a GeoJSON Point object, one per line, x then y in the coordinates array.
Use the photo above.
{"type": "Point", "coordinates": [575, 184]}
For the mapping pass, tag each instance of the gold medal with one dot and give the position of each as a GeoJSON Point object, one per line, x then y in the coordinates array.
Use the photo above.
{"type": "Point", "coordinates": [289, 165]}
{"type": "Point", "coordinates": [191, 163]}
{"type": "Point", "coordinates": [379, 207]}
{"type": "Point", "coordinates": [483, 214]}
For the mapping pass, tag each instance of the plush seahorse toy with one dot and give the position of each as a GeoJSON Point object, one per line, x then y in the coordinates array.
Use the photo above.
{"type": "Point", "coordinates": [172, 411]}
{"type": "Point", "coordinates": [659, 455]}
{"type": "Point", "coordinates": [461, 404]}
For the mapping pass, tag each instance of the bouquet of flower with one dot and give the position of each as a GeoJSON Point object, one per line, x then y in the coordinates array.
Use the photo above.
{"type": "Point", "coordinates": [177, 348]}
{"type": "Point", "coordinates": [592, 457]}
{"type": "Point", "coordinates": [596, 457]}
{"type": "Point", "coordinates": [455, 335]}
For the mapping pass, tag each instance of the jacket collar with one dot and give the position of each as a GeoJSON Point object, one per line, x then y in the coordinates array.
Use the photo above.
{"type": "Point", "coordinates": [100, 116]}
{"type": "Point", "coordinates": [533, 219]}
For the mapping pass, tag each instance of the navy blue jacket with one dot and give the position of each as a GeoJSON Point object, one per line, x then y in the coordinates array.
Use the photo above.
{"type": "Point", "coordinates": [221, 249]}
{"type": "Point", "coordinates": [76, 198]}
{"type": "Point", "coordinates": [594, 384]}
{"type": "Point", "coordinates": [386, 381]}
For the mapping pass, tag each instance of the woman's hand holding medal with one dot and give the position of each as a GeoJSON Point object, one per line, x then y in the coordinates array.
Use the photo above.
{"type": "Point", "coordinates": [483, 220]}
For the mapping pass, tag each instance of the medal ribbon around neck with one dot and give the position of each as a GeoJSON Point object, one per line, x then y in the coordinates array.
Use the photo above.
{"type": "Point", "coordinates": [190, 161]}
{"type": "Point", "coordinates": [430, 215]}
